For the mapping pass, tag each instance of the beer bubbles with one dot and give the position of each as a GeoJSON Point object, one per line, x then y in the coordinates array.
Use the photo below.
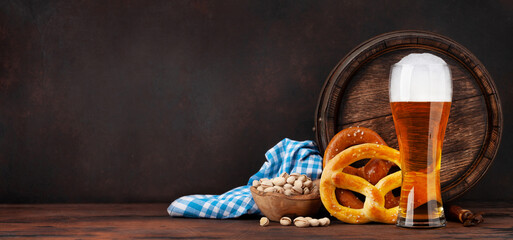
{"type": "Point", "coordinates": [420, 77]}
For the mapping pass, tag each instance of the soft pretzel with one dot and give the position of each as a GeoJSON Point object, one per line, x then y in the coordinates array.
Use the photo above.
{"type": "Point", "coordinates": [373, 209]}
{"type": "Point", "coordinates": [373, 171]}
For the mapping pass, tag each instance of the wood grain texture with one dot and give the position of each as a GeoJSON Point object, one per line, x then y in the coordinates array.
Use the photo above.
{"type": "Point", "coordinates": [356, 94]}
{"type": "Point", "coordinates": [145, 221]}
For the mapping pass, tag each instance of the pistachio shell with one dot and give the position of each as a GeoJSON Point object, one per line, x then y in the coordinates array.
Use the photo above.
{"type": "Point", "coordinates": [267, 183]}
{"type": "Point", "coordinates": [279, 189]}
{"type": "Point", "coordinates": [287, 192]}
{"type": "Point", "coordinates": [308, 183]}
{"type": "Point", "coordinates": [256, 183]}
{"type": "Point", "coordinates": [291, 179]}
{"type": "Point", "coordinates": [296, 175]}
{"type": "Point", "coordinates": [301, 223]}
{"type": "Point", "coordinates": [313, 222]}
{"type": "Point", "coordinates": [324, 221]}
{"type": "Point", "coordinates": [298, 183]}
{"type": "Point", "coordinates": [285, 221]}
{"type": "Point", "coordinates": [279, 181]}
{"type": "Point", "coordinates": [264, 221]}
{"type": "Point", "coordinates": [298, 190]}
{"type": "Point", "coordinates": [302, 178]}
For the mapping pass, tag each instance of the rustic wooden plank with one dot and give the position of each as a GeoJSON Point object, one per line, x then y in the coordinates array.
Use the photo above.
{"type": "Point", "coordinates": [107, 221]}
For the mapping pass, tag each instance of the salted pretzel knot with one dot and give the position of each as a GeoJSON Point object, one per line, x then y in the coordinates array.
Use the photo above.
{"type": "Point", "coordinates": [373, 209]}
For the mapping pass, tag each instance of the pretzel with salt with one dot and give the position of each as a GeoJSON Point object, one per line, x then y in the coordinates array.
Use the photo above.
{"type": "Point", "coordinates": [373, 209]}
{"type": "Point", "coordinates": [373, 171]}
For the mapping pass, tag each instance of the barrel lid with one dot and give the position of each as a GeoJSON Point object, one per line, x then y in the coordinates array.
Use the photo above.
{"type": "Point", "coordinates": [356, 94]}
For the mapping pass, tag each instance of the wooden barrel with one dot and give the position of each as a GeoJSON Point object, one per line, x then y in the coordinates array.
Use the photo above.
{"type": "Point", "coordinates": [356, 94]}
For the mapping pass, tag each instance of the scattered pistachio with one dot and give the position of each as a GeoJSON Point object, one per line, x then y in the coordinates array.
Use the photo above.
{"type": "Point", "coordinates": [301, 222]}
{"type": "Point", "coordinates": [264, 221]}
{"type": "Point", "coordinates": [285, 221]}
{"type": "Point", "coordinates": [313, 222]}
{"type": "Point", "coordinates": [324, 221]}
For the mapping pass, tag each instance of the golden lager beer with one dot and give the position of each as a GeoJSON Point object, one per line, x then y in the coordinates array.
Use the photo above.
{"type": "Point", "coordinates": [420, 98]}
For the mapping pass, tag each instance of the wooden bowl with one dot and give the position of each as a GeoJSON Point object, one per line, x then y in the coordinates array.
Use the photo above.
{"type": "Point", "coordinates": [277, 205]}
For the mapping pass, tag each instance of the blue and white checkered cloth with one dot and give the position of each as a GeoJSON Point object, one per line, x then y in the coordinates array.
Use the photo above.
{"type": "Point", "coordinates": [287, 156]}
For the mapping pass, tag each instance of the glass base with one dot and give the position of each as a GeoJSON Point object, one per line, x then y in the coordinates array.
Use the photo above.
{"type": "Point", "coordinates": [421, 223]}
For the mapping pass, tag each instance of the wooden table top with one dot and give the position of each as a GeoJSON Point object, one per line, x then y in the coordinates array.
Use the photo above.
{"type": "Point", "coordinates": [107, 221]}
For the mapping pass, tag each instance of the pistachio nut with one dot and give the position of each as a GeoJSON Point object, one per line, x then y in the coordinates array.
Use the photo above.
{"type": "Point", "coordinates": [297, 190]}
{"type": "Point", "coordinates": [296, 175]}
{"type": "Point", "coordinates": [278, 189]}
{"type": "Point", "coordinates": [256, 183]}
{"type": "Point", "coordinates": [266, 183]}
{"type": "Point", "coordinates": [308, 183]}
{"type": "Point", "coordinates": [298, 183]}
{"type": "Point", "coordinates": [264, 221]}
{"type": "Point", "coordinates": [278, 181]}
{"type": "Point", "coordinates": [285, 221]}
{"type": "Point", "coordinates": [291, 179]}
{"type": "Point", "coordinates": [313, 222]}
{"type": "Point", "coordinates": [324, 221]}
{"type": "Point", "coordinates": [301, 223]}
{"type": "Point", "coordinates": [302, 178]}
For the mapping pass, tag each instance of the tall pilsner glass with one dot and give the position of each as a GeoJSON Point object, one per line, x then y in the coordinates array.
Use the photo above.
{"type": "Point", "coordinates": [420, 98]}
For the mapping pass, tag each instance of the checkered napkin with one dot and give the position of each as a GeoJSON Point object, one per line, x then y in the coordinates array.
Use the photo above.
{"type": "Point", "coordinates": [287, 156]}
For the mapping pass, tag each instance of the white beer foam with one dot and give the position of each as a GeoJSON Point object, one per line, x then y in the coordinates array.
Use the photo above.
{"type": "Point", "coordinates": [420, 77]}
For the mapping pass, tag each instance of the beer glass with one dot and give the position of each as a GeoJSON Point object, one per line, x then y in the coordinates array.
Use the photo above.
{"type": "Point", "coordinates": [420, 97]}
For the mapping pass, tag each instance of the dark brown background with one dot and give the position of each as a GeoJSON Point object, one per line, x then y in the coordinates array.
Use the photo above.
{"type": "Point", "coordinates": [145, 101]}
